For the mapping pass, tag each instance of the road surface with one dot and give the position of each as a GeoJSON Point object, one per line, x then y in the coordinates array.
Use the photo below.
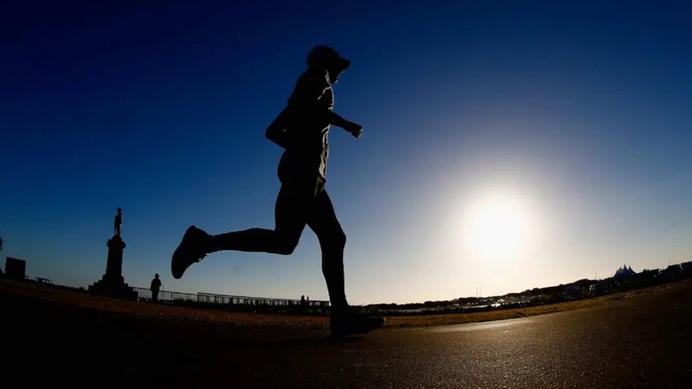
{"type": "Point", "coordinates": [644, 341]}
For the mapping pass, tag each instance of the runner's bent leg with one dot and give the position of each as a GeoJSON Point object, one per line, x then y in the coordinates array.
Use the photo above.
{"type": "Point", "coordinates": [290, 213]}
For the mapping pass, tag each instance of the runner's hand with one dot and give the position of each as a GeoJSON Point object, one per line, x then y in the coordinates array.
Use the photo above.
{"type": "Point", "coordinates": [355, 129]}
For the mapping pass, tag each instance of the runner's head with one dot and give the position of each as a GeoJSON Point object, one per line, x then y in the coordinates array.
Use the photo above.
{"type": "Point", "coordinates": [325, 58]}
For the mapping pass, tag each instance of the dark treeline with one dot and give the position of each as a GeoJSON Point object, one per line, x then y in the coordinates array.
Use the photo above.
{"type": "Point", "coordinates": [624, 279]}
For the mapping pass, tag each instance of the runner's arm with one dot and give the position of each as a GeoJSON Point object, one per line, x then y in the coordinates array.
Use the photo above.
{"type": "Point", "coordinates": [277, 131]}
{"type": "Point", "coordinates": [333, 118]}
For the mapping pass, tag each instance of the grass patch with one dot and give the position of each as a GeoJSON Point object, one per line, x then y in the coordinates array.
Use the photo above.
{"type": "Point", "coordinates": [503, 314]}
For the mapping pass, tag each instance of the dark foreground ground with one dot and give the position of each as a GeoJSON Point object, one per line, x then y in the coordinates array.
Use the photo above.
{"type": "Point", "coordinates": [643, 341]}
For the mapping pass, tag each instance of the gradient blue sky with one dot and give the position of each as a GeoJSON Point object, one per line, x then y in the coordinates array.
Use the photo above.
{"type": "Point", "coordinates": [573, 114]}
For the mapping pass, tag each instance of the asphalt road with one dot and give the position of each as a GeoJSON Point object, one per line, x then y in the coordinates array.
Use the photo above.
{"type": "Point", "coordinates": [640, 342]}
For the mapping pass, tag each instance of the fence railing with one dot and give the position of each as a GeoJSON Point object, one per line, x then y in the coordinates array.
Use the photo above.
{"type": "Point", "coordinates": [223, 299]}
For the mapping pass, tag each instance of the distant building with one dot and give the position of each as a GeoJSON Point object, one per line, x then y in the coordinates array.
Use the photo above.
{"type": "Point", "coordinates": [624, 272]}
{"type": "Point", "coordinates": [15, 268]}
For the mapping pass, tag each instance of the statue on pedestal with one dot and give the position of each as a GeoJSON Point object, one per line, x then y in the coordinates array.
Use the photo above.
{"type": "Point", "coordinates": [112, 283]}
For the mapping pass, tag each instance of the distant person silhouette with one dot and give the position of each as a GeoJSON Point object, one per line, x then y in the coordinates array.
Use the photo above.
{"type": "Point", "coordinates": [303, 305]}
{"type": "Point", "coordinates": [155, 287]}
{"type": "Point", "coordinates": [302, 130]}
{"type": "Point", "coordinates": [118, 222]}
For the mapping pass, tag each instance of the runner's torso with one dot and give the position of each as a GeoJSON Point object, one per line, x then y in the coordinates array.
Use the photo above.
{"type": "Point", "coordinates": [306, 158]}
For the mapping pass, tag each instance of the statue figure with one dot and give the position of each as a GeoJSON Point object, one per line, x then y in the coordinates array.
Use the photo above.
{"type": "Point", "coordinates": [117, 223]}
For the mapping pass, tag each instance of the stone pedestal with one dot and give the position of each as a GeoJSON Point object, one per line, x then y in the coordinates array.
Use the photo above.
{"type": "Point", "coordinates": [112, 283]}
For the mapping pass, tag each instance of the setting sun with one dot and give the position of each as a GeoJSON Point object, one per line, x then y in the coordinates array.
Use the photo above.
{"type": "Point", "coordinates": [497, 226]}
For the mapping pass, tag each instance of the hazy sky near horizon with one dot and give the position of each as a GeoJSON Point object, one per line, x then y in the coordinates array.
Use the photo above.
{"type": "Point", "coordinates": [506, 145]}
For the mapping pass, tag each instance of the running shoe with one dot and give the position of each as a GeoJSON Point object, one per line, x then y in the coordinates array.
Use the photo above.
{"type": "Point", "coordinates": [188, 252]}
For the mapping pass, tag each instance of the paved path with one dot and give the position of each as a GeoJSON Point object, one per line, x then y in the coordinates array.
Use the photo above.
{"type": "Point", "coordinates": [639, 342]}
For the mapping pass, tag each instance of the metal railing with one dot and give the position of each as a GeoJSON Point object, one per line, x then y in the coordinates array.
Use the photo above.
{"type": "Point", "coordinates": [223, 299]}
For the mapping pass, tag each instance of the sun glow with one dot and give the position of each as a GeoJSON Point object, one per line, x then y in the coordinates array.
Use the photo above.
{"type": "Point", "coordinates": [497, 227]}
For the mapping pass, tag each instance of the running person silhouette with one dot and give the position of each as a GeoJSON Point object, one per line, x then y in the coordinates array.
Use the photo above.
{"type": "Point", "coordinates": [302, 129]}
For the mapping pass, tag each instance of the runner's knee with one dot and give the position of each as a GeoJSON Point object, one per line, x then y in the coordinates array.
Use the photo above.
{"type": "Point", "coordinates": [340, 239]}
{"type": "Point", "coordinates": [286, 245]}
{"type": "Point", "coordinates": [335, 240]}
